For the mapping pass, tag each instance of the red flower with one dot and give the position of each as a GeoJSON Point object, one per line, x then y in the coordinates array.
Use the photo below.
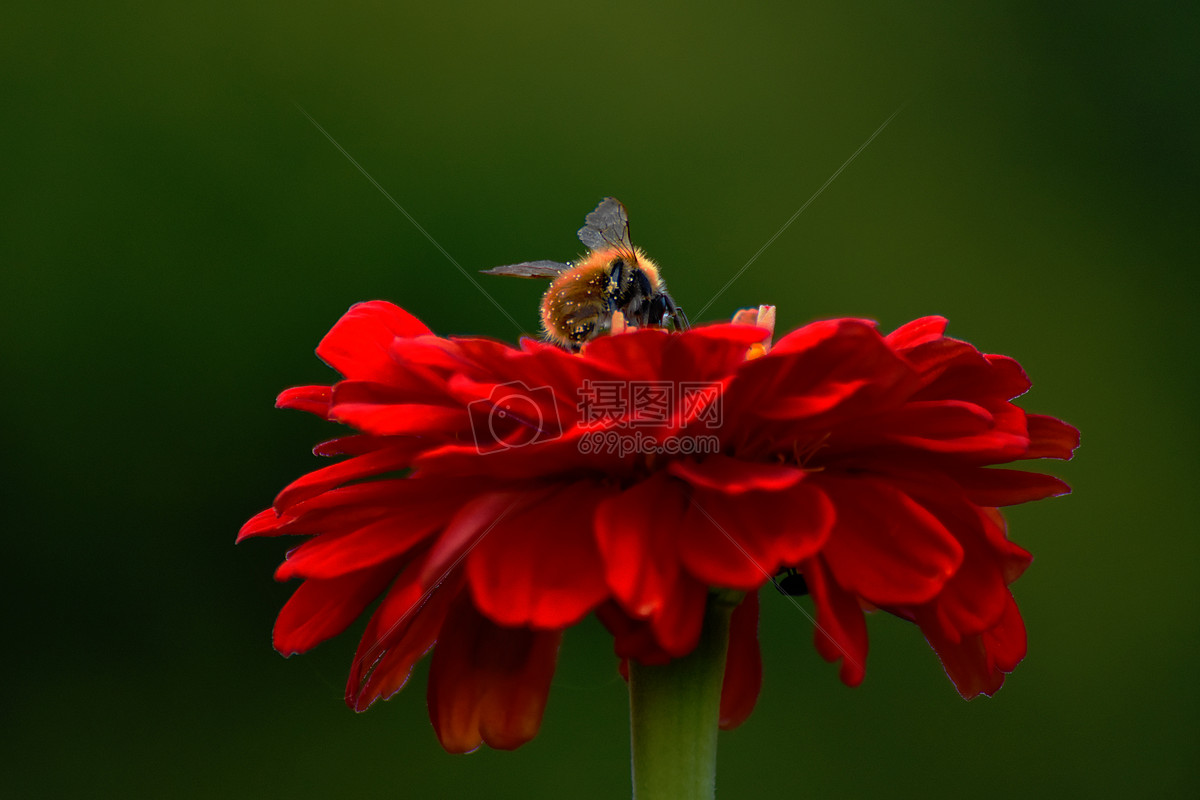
{"type": "Point", "coordinates": [491, 506]}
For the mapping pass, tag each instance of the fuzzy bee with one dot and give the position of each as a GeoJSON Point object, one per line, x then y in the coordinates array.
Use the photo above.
{"type": "Point", "coordinates": [614, 277]}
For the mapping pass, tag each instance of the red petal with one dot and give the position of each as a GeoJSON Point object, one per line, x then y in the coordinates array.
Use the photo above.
{"type": "Point", "coordinates": [929, 423]}
{"type": "Point", "coordinates": [336, 510]}
{"type": "Point", "coordinates": [1013, 558]}
{"type": "Point", "coordinates": [969, 431]}
{"type": "Point", "coordinates": [918, 332]}
{"type": "Point", "coordinates": [354, 445]}
{"type": "Point", "coordinates": [472, 522]}
{"type": "Point", "coordinates": [1007, 378]}
{"type": "Point", "coordinates": [822, 373]}
{"type": "Point", "coordinates": [1006, 643]}
{"type": "Point", "coordinates": [433, 356]}
{"type": "Point", "coordinates": [677, 627]}
{"type": "Point", "coordinates": [702, 354]}
{"type": "Point", "coordinates": [553, 457]}
{"type": "Point", "coordinates": [1050, 437]}
{"type": "Point", "coordinates": [320, 609]}
{"type": "Point", "coordinates": [331, 554]}
{"type": "Point", "coordinates": [743, 665]}
{"type": "Point", "coordinates": [963, 372]}
{"type": "Point", "coordinates": [400, 419]}
{"type": "Point", "coordinates": [405, 387]}
{"type": "Point", "coordinates": [488, 683]}
{"type": "Point", "coordinates": [394, 457]}
{"type": "Point", "coordinates": [731, 476]}
{"type": "Point", "coordinates": [539, 566]}
{"type": "Point", "coordinates": [934, 358]}
{"type": "Point", "coordinates": [635, 531]}
{"type": "Point", "coordinates": [973, 600]}
{"type": "Point", "coordinates": [359, 344]}
{"type": "Point", "coordinates": [313, 399]}
{"type": "Point", "coordinates": [885, 546]}
{"type": "Point", "coordinates": [841, 631]}
{"type": "Point", "coordinates": [261, 524]}
{"type": "Point", "coordinates": [1007, 487]}
{"type": "Point", "coordinates": [631, 638]}
{"type": "Point", "coordinates": [400, 632]}
{"type": "Point", "coordinates": [815, 333]}
{"type": "Point", "coordinates": [740, 541]}
{"type": "Point", "coordinates": [977, 664]}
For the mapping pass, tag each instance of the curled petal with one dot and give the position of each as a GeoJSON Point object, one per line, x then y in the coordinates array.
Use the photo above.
{"type": "Point", "coordinates": [1050, 438]}
{"type": "Point", "coordinates": [313, 399]}
{"type": "Point", "coordinates": [400, 632]}
{"type": "Point", "coordinates": [841, 631]}
{"type": "Point", "coordinates": [977, 664]}
{"type": "Point", "coordinates": [487, 683]}
{"type": "Point", "coordinates": [263, 523]}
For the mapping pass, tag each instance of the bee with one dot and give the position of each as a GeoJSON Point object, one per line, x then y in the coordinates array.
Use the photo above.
{"type": "Point", "coordinates": [614, 277]}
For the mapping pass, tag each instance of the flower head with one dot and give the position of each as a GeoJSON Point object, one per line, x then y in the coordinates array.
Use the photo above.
{"type": "Point", "coordinates": [494, 496]}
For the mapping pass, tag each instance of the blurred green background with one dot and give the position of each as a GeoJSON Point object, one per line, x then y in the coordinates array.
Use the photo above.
{"type": "Point", "coordinates": [175, 237]}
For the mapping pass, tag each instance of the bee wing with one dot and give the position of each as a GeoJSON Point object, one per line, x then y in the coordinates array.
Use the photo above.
{"type": "Point", "coordinates": [529, 269]}
{"type": "Point", "coordinates": [607, 226]}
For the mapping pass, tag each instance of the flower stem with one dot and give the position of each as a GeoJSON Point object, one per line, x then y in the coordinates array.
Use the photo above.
{"type": "Point", "coordinates": [674, 711]}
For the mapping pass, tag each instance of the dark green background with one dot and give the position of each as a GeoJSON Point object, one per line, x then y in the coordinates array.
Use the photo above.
{"type": "Point", "coordinates": [175, 237]}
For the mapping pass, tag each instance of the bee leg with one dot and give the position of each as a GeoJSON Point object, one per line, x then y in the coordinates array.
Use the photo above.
{"type": "Point", "coordinates": [676, 314]}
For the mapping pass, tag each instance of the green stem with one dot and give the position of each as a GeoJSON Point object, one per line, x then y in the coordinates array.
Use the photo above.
{"type": "Point", "coordinates": [674, 710]}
